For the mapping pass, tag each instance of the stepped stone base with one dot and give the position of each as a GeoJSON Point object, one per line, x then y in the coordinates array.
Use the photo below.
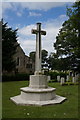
{"type": "Point", "coordinates": [38, 93]}
{"type": "Point", "coordinates": [28, 93]}
{"type": "Point", "coordinates": [19, 101]}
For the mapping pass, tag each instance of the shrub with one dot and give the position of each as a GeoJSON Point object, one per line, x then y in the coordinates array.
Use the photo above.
{"type": "Point", "coordinates": [17, 77]}
{"type": "Point", "coordinates": [62, 74]}
{"type": "Point", "coordinates": [53, 75]}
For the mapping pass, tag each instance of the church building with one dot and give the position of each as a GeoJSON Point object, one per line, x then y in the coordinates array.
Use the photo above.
{"type": "Point", "coordinates": [23, 63]}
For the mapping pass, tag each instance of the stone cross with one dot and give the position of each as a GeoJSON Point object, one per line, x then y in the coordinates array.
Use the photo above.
{"type": "Point", "coordinates": [38, 33]}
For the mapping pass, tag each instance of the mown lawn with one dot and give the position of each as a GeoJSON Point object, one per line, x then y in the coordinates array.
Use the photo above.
{"type": "Point", "coordinates": [0, 100]}
{"type": "Point", "coordinates": [68, 109]}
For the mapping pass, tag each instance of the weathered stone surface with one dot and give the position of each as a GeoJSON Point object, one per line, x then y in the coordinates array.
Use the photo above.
{"type": "Point", "coordinates": [38, 81]}
{"type": "Point", "coordinates": [38, 33]}
{"type": "Point", "coordinates": [58, 78]}
{"type": "Point", "coordinates": [62, 81]}
{"type": "Point", "coordinates": [38, 94]}
{"type": "Point", "coordinates": [48, 78]}
{"type": "Point", "coordinates": [23, 63]}
{"type": "Point", "coordinates": [67, 79]}
{"type": "Point", "coordinates": [19, 101]}
{"type": "Point", "coordinates": [73, 80]}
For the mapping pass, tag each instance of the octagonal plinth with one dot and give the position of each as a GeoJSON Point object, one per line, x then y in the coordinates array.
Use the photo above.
{"type": "Point", "coordinates": [37, 94]}
{"type": "Point", "coordinates": [19, 101]}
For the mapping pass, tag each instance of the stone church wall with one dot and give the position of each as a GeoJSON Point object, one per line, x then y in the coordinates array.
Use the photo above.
{"type": "Point", "coordinates": [23, 63]}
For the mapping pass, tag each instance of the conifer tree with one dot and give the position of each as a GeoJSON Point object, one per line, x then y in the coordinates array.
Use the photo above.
{"type": "Point", "coordinates": [9, 40]}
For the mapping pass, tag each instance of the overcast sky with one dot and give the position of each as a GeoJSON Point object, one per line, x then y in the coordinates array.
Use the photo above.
{"type": "Point", "coordinates": [25, 15]}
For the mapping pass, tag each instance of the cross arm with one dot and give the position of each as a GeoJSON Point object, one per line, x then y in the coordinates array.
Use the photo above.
{"type": "Point", "coordinates": [34, 31]}
{"type": "Point", "coordinates": [43, 32]}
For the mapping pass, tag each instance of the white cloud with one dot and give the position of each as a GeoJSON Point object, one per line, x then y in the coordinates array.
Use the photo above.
{"type": "Point", "coordinates": [40, 0]}
{"type": "Point", "coordinates": [40, 5]}
{"type": "Point", "coordinates": [51, 27]}
{"type": "Point", "coordinates": [20, 6]}
{"type": "Point", "coordinates": [26, 31]}
{"type": "Point", "coordinates": [27, 45]}
{"type": "Point", "coordinates": [11, 6]}
{"type": "Point", "coordinates": [0, 10]}
{"type": "Point", "coordinates": [6, 5]}
{"type": "Point", "coordinates": [34, 14]}
{"type": "Point", "coordinates": [63, 16]}
{"type": "Point", "coordinates": [19, 14]}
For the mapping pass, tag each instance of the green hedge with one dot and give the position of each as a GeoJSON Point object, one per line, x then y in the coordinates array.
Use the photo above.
{"type": "Point", "coordinates": [20, 77]}
{"type": "Point", "coordinates": [17, 77]}
{"type": "Point", "coordinates": [54, 75]}
{"type": "Point", "coordinates": [63, 74]}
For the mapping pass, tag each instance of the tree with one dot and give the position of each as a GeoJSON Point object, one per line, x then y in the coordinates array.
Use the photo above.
{"type": "Point", "coordinates": [67, 43]}
{"type": "Point", "coordinates": [32, 55]}
{"type": "Point", "coordinates": [9, 40]}
{"type": "Point", "coordinates": [44, 56]}
{"type": "Point", "coordinates": [52, 61]}
{"type": "Point", "coordinates": [57, 63]}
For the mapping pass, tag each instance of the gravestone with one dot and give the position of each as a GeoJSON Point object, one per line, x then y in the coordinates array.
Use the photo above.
{"type": "Point", "coordinates": [72, 75]}
{"type": "Point", "coordinates": [48, 78]}
{"type": "Point", "coordinates": [38, 93]}
{"type": "Point", "coordinates": [73, 80]}
{"type": "Point", "coordinates": [77, 77]}
{"type": "Point", "coordinates": [58, 78]}
{"type": "Point", "coordinates": [62, 81]}
{"type": "Point", "coordinates": [67, 78]}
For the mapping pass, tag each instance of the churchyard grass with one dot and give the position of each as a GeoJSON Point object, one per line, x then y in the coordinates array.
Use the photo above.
{"type": "Point", "coordinates": [0, 100]}
{"type": "Point", "coordinates": [68, 109]}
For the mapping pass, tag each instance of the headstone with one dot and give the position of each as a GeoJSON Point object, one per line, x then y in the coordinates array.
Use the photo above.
{"type": "Point", "coordinates": [38, 93]}
{"type": "Point", "coordinates": [62, 81]}
{"type": "Point", "coordinates": [76, 77]}
{"type": "Point", "coordinates": [73, 79]}
{"type": "Point", "coordinates": [67, 78]}
{"type": "Point", "coordinates": [58, 78]}
{"type": "Point", "coordinates": [72, 75]}
{"type": "Point", "coordinates": [43, 72]}
{"type": "Point", "coordinates": [48, 78]}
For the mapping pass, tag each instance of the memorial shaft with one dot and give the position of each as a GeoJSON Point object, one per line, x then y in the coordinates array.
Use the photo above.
{"type": "Point", "coordinates": [38, 49]}
{"type": "Point", "coordinates": [38, 33]}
